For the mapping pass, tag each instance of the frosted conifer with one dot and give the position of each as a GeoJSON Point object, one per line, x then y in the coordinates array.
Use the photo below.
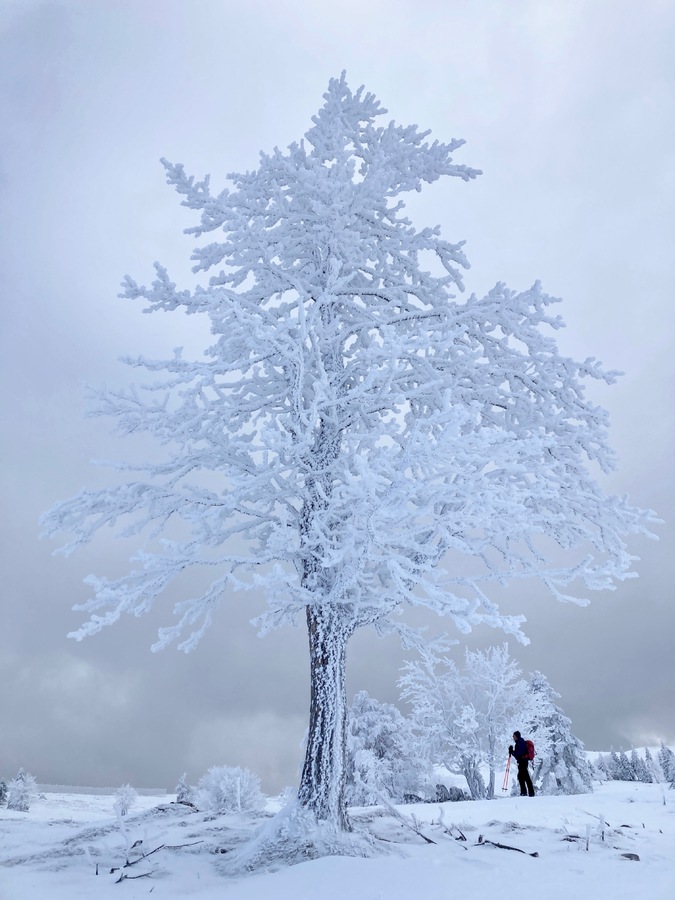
{"type": "Point", "coordinates": [561, 766]}
{"type": "Point", "coordinates": [353, 424]}
{"type": "Point", "coordinates": [183, 790]}
{"type": "Point", "coordinates": [666, 759]}
{"type": "Point", "coordinates": [639, 767]}
{"type": "Point", "coordinates": [21, 791]}
{"type": "Point", "coordinates": [653, 766]}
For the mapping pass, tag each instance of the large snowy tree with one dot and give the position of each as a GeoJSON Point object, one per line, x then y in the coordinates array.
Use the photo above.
{"type": "Point", "coordinates": [354, 431]}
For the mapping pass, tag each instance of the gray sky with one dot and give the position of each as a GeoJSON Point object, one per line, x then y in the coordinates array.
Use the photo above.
{"type": "Point", "coordinates": [567, 106]}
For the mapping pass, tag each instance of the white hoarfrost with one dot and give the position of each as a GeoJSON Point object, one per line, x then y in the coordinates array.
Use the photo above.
{"type": "Point", "coordinates": [21, 792]}
{"type": "Point", "coordinates": [386, 760]}
{"type": "Point", "coordinates": [229, 789]}
{"type": "Point", "coordinates": [468, 715]}
{"type": "Point", "coordinates": [560, 766]}
{"type": "Point", "coordinates": [356, 439]}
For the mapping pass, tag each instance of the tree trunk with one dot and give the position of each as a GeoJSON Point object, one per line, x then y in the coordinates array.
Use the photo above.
{"type": "Point", "coordinates": [492, 767]}
{"type": "Point", "coordinates": [322, 785]}
{"type": "Point", "coordinates": [474, 779]}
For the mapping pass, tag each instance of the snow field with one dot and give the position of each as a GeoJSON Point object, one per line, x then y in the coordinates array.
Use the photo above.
{"type": "Point", "coordinates": [51, 852]}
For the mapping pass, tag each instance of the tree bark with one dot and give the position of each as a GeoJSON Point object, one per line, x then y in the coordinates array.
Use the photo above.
{"type": "Point", "coordinates": [322, 785]}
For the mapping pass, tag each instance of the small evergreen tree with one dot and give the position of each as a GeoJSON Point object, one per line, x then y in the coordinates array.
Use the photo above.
{"type": "Point", "coordinates": [639, 767]}
{"type": "Point", "coordinates": [667, 763]}
{"type": "Point", "coordinates": [561, 765]}
{"type": "Point", "coordinates": [21, 792]}
{"type": "Point", "coordinates": [183, 790]}
{"type": "Point", "coordinates": [3, 792]}
{"type": "Point", "coordinates": [601, 769]}
{"type": "Point", "coordinates": [385, 758]}
{"type": "Point", "coordinates": [653, 766]}
{"type": "Point", "coordinates": [624, 769]}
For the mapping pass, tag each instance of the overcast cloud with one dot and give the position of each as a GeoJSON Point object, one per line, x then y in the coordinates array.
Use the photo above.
{"type": "Point", "coordinates": [567, 106]}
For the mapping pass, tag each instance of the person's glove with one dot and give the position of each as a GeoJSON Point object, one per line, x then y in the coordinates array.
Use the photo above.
{"type": "Point", "coordinates": [510, 749]}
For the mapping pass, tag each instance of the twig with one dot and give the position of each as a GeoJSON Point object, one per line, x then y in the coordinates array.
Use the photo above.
{"type": "Point", "coordinates": [462, 836]}
{"type": "Point", "coordinates": [125, 877]}
{"type": "Point", "coordinates": [146, 855]}
{"type": "Point", "coordinates": [412, 825]}
{"type": "Point", "coordinates": [483, 841]}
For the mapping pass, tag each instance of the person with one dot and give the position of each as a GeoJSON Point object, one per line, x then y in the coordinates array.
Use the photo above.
{"type": "Point", "coordinates": [519, 751]}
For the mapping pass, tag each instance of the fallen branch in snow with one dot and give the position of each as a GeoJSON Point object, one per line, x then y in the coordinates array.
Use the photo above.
{"type": "Point", "coordinates": [448, 831]}
{"type": "Point", "coordinates": [411, 823]}
{"type": "Point", "coordinates": [125, 877]}
{"type": "Point", "coordinates": [143, 856]}
{"type": "Point", "coordinates": [482, 842]}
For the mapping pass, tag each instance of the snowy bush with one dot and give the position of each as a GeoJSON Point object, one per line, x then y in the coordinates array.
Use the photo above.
{"type": "Point", "coordinates": [125, 798]}
{"type": "Point", "coordinates": [21, 792]}
{"type": "Point", "coordinates": [385, 759]}
{"type": "Point", "coordinates": [184, 793]}
{"type": "Point", "coordinates": [227, 789]}
{"type": "Point", "coordinates": [3, 792]}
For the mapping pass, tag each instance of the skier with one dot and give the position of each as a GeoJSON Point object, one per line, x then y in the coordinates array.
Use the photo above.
{"type": "Point", "coordinates": [519, 750]}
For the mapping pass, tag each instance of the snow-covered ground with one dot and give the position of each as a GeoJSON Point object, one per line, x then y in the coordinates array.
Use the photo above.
{"type": "Point", "coordinates": [53, 851]}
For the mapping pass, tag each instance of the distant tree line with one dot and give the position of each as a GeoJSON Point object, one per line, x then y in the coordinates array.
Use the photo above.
{"type": "Point", "coordinates": [647, 768]}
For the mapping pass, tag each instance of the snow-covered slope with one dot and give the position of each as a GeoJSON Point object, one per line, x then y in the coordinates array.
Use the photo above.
{"type": "Point", "coordinates": [53, 851]}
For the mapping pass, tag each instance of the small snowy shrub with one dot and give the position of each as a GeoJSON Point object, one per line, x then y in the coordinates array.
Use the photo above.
{"type": "Point", "coordinates": [125, 797]}
{"type": "Point", "coordinates": [21, 792]}
{"type": "Point", "coordinates": [3, 792]}
{"type": "Point", "coordinates": [227, 789]}
{"type": "Point", "coordinates": [184, 793]}
{"type": "Point", "coordinates": [385, 758]}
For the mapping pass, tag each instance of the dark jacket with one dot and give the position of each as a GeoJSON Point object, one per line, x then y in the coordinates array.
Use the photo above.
{"type": "Point", "coordinates": [520, 749]}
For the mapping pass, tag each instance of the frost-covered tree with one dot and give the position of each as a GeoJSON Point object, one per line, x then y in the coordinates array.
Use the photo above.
{"type": "Point", "coordinates": [561, 765]}
{"type": "Point", "coordinates": [666, 759]}
{"type": "Point", "coordinates": [125, 799]}
{"type": "Point", "coordinates": [624, 769]}
{"type": "Point", "coordinates": [640, 769]}
{"type": "Point", "coordinates": [356, 438]}
{"type": "Point", "coordinates": [620, 767]}
{"type": "Point", "coordinates": [3, 792]}
{"type": "Point", "coordinates": [600, 769]}
{"type": "Point", "coordinates": [385, 757]}
{"type": "Point", "coordinates": [653, 766]}
{"type": "Point", "coordinates": [468, 715]}
{"type": "Point", "coordinates": [430, 686]}
{"type": "Point", "coordinates": [21, 792]}
{"type": "Point", "coordinates": [183, 790]}
{"type": "Point", "coordinates": [229, 789]}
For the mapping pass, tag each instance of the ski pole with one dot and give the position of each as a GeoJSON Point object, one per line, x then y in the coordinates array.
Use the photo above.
{"type": "Point", "coordinates": [505, 786]}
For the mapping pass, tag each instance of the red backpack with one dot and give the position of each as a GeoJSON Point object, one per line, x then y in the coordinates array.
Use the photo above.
{"type": "Point", "coordinates": [530, 749]}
